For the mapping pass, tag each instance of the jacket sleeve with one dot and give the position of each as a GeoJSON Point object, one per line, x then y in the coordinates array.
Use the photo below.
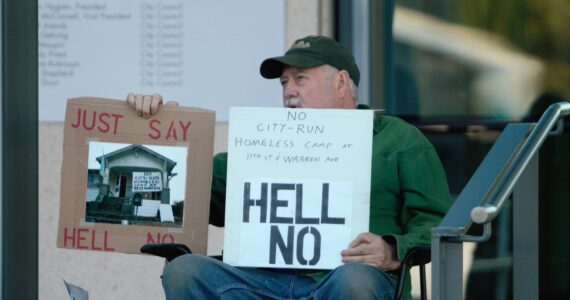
{"type": "Point", "coordinates": [425, 197]}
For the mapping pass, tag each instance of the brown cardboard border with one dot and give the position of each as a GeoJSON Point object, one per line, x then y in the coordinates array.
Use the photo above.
{"type": "Point", "coordinates": [75, 233]}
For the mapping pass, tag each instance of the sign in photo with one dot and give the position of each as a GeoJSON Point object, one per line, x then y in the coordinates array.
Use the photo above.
{"type": "Point", "coordinates": [147, 182]}
{"type": "Point", "coordinates": [298, 189]}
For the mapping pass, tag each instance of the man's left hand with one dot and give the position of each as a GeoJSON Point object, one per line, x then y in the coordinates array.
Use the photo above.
{"type": "Point", "coordinates": [371, 249]}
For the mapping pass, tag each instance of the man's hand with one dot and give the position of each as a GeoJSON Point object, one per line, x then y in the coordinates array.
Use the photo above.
{"type": "Point", "coordinates": [371, 249]}
{"type": "Point", "coordinates": [147, 105]}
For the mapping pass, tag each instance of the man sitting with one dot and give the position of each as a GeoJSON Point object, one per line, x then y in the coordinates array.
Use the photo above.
{"type": "Point", "coordinates": [409, 194]}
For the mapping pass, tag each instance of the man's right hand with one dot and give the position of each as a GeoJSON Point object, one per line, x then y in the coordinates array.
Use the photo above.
{"type": "Point", "coordinates": [147, 105]}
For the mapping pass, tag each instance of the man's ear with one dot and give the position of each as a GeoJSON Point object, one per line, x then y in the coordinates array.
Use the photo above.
{"type": "Point", "coordinates": [343, 85]}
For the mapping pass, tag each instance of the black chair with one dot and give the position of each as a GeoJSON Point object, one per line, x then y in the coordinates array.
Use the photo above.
{"type": "Point", "coordinates": [167, 250]}
{"type": "Point", "coordinates": [418, 256]}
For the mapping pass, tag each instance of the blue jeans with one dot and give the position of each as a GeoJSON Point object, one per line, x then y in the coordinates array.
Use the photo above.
{"type": "Point", "coordinates": [195, 276]}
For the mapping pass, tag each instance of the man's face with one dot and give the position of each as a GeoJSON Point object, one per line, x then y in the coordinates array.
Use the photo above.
{"type": "Point", "coordinates": [309, 88]}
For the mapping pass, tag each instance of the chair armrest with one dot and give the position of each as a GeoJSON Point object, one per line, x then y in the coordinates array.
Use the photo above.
{"type": "Point", "coordinates": [417, 256]}
{"type": "Point", "coordinates": [169, 251]}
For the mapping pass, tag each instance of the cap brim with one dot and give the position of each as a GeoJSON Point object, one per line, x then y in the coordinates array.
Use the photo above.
{"type": "Point", "coordinates": [273, 67]}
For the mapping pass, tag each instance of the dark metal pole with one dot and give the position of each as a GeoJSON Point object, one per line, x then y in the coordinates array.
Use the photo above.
{"type": "Point", "coordinates": [19, 149]}
{"type": "Point", "coordinates": [381, 60]}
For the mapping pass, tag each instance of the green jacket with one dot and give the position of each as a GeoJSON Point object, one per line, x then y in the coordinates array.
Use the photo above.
{"type": "Point", "coordinates": [409, 193]}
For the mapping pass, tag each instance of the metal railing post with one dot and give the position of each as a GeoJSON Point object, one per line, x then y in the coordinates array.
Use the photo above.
{"type": "Point", "coordinates": [525, 233]}
{"type": "Point", "coordinates": [446, 267]}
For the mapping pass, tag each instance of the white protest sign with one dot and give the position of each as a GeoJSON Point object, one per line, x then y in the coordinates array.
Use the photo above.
{"type": "Point", "coordinates": [147, 182]}
{"type": "Point", "coordinates": [298, 185]}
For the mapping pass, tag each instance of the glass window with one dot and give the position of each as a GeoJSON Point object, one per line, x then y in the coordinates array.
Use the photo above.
{"type": "Point", "coordinates": [485, 59]}
{"type": "Point", "coordinates": [480, 62]}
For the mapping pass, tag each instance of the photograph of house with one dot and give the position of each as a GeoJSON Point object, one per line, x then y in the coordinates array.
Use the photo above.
{"type": "Point", "coordinates": [135, 184]}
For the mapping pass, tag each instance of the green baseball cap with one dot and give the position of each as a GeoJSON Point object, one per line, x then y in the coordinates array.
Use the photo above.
{"type": "Point", "coordinates": [312, 51]}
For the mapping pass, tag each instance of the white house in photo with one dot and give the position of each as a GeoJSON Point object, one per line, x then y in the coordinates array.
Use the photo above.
{"type": "Point", "coordinates": [131, 181]}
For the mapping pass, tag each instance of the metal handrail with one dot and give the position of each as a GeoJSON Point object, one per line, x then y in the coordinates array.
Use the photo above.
{"type": "Point", "coordinates": [552, 117]}
{"type": "Point", "coordinates": [510, 167]}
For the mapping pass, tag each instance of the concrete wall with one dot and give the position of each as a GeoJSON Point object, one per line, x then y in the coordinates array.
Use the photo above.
{"type": "Point", "coordinates": [308, 17]}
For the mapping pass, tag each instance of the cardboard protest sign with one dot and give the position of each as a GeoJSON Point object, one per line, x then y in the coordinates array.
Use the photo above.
{"type": "Point", "coordinates": [298, 187]}
{"type": "Point", "coordinates": [127, 181]}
